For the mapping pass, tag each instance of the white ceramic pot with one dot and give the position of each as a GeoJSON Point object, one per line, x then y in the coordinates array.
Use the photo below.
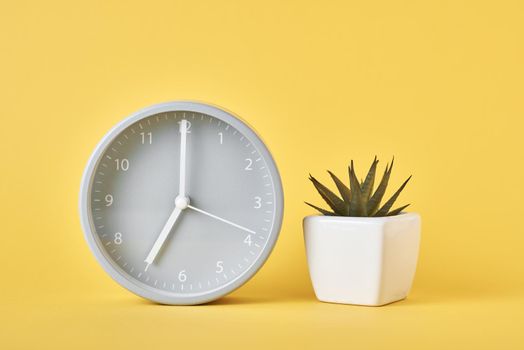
{"type": "Point", "coordinates": [363, 261]}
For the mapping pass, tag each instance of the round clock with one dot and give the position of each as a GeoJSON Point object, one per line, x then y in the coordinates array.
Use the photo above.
{"type": "Point", "coordinates": [181, 203]}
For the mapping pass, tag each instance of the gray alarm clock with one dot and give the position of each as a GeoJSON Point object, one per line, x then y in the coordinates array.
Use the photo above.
{"type": "Point", "coordinates": [181, 203]}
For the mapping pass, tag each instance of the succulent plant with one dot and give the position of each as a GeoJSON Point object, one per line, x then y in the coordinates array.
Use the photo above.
{"type": "Point", "coordinates": [359, 199]}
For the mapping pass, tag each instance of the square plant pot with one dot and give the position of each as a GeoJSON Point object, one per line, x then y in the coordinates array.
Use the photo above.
{"type": "Point", "coordinates": [362, 260]}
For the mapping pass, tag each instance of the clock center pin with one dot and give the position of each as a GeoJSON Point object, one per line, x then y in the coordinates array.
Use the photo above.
{"type": "Point", "coordinates": [182, 202]}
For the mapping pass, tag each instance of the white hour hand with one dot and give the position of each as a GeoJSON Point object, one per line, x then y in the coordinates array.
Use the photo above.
{"type": "Point", "coordinates": [162, 237]}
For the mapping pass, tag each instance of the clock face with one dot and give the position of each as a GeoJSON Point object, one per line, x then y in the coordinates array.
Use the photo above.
{"type": "Point", "coordinates": [181, 203]}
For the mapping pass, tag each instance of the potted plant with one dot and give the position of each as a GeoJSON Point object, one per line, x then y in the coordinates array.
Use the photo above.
{"type": "Point", "coordinates": [358, 251]}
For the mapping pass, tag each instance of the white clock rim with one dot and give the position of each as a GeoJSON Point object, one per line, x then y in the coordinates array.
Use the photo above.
{"type": "Point", "coordinates": [121, 276]}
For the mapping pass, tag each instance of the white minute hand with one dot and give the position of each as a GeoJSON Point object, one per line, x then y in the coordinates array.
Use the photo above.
{"type": "Point", "coordinates": [183, 151]}
{"type": "Point", "coordinates": [221, 219]}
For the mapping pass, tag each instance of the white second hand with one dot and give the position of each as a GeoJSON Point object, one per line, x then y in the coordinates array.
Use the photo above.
{"type": "Point", "coordinates": [221, 219]}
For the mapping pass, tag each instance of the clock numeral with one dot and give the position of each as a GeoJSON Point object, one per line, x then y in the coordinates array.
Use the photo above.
{"type": "Point", "coordinates": [221, 137]}
{"type": "Point", "coordinates": [109, 200]}
{"type": "Point", "coordinates": [118, 238]}
{"type": "Point", "coordinates": [147, 137]}
{"type": "Point", "coordinates": [182, 277]}
{"type": "Point", "coordinates": [248, 240]}
{"type": "Point", "coordinates": [188, 126]}
{"type": "Point", "coordinates": [249, 165]}
{"type": "Point", "coordinates": [122, 164]}
{"type": "Point", "coordinates": [220, 266]}
{"type": "Point", "coordinates": [258, 202]}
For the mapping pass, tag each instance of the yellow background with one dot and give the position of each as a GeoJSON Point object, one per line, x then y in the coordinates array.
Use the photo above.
{"type": "Point", "coordinates": [437, 84]}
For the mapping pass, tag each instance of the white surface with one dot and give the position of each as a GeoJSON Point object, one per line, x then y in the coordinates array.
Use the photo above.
{"type": "Point", "coordinates": [363, 261]}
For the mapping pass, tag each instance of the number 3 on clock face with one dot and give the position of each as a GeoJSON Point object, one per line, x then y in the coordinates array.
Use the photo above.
{"type": "Point", "coordinates": [181, 203]}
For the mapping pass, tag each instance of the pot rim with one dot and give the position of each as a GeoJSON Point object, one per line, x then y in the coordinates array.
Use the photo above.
{"type": "Point", "coordinates": [348, 219]}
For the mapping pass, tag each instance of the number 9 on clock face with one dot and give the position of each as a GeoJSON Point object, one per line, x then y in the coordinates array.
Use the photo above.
{"type": "Point", "coordinates": [181, 203]}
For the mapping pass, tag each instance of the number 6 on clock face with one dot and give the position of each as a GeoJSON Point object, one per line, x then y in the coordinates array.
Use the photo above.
{"type": "Point", "coordinates": [181, 203]}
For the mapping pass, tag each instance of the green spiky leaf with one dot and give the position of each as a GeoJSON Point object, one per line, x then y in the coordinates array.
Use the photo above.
{"type": "Point", "coordinates": [322, 211]}
{"type": "Point", "coordinates": [344, 191]}
{"type": "Point", "coordinates": [335, 203]}
{"type": "Point", "coordinates": [367, 186]}
{"type": "Point", "coordinates": [355, 206]}
{"type": "Point", "coordinates": [376, 198]}
{"type": "Point", "coordinates": [398, 210]}
{"type": "Point", "coordinates": [385, 208]}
